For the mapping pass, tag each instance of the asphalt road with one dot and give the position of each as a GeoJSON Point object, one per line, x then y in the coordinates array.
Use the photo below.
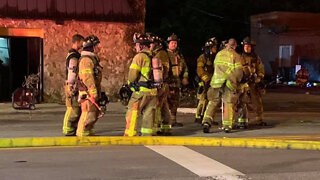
{"type": "Point", "coordinates": [154, 162]}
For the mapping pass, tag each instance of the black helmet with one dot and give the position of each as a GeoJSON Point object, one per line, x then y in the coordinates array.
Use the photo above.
{"type": "Point", "coordinates": [90, 41]}
{"type": "Point", "coordinates": [173, 37]}
{"type": "Point", "coordinates": [211, 42]}
{"type": "Point", "coordinates": [207, 48]}
{"type": "Point", "coordinates": [125, 94]}
{"type": "Point", "coordinates": [248, 40]}
{"type": "Point", "coordinates": [156, 39]}
{"type": "Point", "coordinates": [141, 38]}
{"type": "Point", "coordinates": [153, 38]}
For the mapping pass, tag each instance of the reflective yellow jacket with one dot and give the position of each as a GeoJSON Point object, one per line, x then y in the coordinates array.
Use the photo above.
{"type": "Point", "coordinates": [227, 69]}
{"type": "Point", "coordinates": [139, 70]}
{"type": "Point", "coordinates": [90, 73]}
{"type": "Point", "coordinates": [204, 68]}
{"type": "Point", "coordinates": [163, 56]}
{"type": "Point", "coordinates": [255, 64]}
{"type": "Point", "coordinates": [180, 64]}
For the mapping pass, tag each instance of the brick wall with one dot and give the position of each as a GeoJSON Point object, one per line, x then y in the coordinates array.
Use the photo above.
{"type": "Point", "coordinates": [116, 53]}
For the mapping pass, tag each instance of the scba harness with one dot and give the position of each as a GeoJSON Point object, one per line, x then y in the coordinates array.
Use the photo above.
{"type": "Point", "coordinates": [155, 75]}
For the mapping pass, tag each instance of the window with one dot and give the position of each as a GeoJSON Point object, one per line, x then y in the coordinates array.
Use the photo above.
{"type": "Point", "coordinates": [4, 51]}
{"type": "Point", "coordinates": [285, 53]}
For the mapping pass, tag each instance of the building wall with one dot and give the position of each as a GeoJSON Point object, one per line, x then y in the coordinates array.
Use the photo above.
{"type": "Point", "coordinates": [303, 46]}
{"type": "Point", "coordinates": [267, 48]}
{"type": "Point", "coordinates": [116, 52]}
{"type": "Point", "coordinates": [275, 29]}
{"type": "Point", "coordinates": [97, 10]}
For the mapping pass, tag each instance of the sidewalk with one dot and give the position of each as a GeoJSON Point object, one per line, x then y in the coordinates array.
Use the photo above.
{"type": "Point", "coordinates": [289, 117]}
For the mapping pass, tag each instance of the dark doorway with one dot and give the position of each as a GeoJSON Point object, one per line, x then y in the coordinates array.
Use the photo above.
{"type": "Point", "coordinates": [25, 58]}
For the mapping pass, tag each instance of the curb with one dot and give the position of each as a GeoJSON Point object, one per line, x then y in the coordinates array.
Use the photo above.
{"type": "Point", "coordinates": [179, 141]}
{"type": "Point", "coordinates": [187, 110]}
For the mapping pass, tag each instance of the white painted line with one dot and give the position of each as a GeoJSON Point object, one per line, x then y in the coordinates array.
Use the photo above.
{"type": "Point", "coordinates": [197, 163]}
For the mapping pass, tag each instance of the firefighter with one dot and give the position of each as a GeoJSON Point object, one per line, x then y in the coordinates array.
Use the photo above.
{"type": "Point", "coordinates": [244, 96]}
{"type": "Point", "coordinates": [142, 81]}
{"type": "Point", "coordinates": [73, 111]}
{"type": "Point", "coordinates": [90, 76]}
{"type": "Point", "coordinates": [178, 70]}
{"type": "Point", "coordinates": [255, 82]}
{"type": "Point", "coordinates": [302, 77]}
{"type": "Point", "coordinates": [223, 85]}
{"type": "Point", "coordinates": [162, 125]}
{"type": "Point", "coordinates": [205, 72]}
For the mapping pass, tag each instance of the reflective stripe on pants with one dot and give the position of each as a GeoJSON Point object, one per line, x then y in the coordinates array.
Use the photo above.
{"type": "Point", "coordinates": [88, 118]}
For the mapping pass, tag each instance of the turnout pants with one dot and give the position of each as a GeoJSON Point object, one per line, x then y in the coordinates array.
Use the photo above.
{"type": "Point", "coordinates": [256, 102]}
{"type": "Point", "coordinates": [89, 116]}
{"type": "Point", "coordinates": [163, 116]}
{"type": "Point", "coordinates": [173, 101]}
{"type": "Point", "coordinates": [228, 99]}
{"type": "Point", "coordinates": [203, 101]}
{"type": "Point", "coordinates": [72, 114]}
{"type": "Point", "coordinates": [143, 103]}
{"type": "Point", "coordinates": [242, 106]}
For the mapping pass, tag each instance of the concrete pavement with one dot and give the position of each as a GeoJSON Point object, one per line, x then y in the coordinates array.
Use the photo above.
{"type": "Point", "coordinates": [289, 117]}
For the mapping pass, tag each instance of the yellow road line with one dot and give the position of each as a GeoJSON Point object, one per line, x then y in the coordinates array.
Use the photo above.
{"type": "Point", "coordinates": [306, 137]}
{"type": "Point", "coordinates": [180, 141]}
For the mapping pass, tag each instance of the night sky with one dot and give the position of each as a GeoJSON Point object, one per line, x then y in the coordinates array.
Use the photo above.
{"type": "Point", "coordinates": [194, 21]}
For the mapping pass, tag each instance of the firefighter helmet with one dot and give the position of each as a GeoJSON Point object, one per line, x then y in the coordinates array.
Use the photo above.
{"type": "Point", "coordinates": [211, 42]}
{"type": "Point", "coordinates": [249, 41]}
{"type": "Point", "coordinates": [90, 41]}
{"type": "Point", "coordinates": [141, 38]}
{"type": "Point", "coordinates": [153, 38]}
{"type": "Point", "coordinates": [125, 94]}
{"type": "Point", "coordinates": [160, 43]}
{"type": "Point", "coordinates": [173, 37]}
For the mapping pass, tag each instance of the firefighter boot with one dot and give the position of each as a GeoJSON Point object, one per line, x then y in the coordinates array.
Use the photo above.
{"type": "Point", "coordinates": [243, 123]}
{"type": "Point", "coordinates": [226, 129]}
{"type": "Point", "coordinates": [166, 130]}
{"type": "Point", "coordinates": [206, 127]}
{"type": "Point", "coordinates": [260, 122]}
